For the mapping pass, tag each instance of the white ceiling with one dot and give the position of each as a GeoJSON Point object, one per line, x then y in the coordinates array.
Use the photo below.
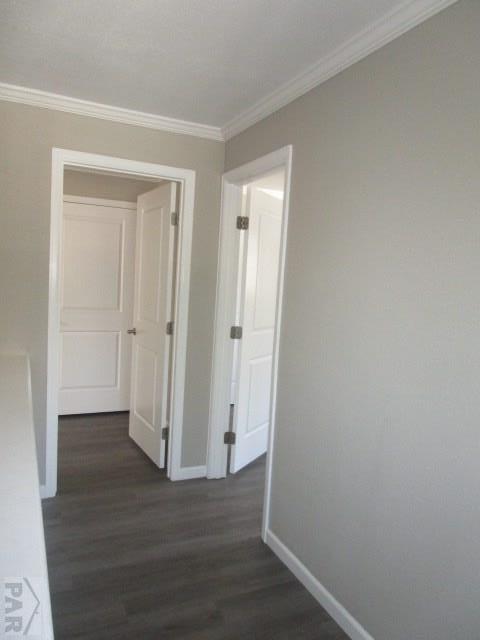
{"type": "Point", "coordinates": [205, 61]}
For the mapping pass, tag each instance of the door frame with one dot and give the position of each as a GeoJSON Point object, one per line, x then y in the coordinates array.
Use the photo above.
{"type": "Point", "coordinates": [101, 202]}
{"type": "Point", "coordinates": [232, 183]}
{"type": "Point", "coordinates": [61, 159]}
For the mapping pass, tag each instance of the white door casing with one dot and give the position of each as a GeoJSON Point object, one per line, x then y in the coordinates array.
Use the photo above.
{"type": "Point", "coordinates": [96, 298]}
{"type": "Point", "coordinates": [231, 206]}
{"type": "Point", "coordinates": [261, 269]}
{"type": "Point", "coordinates": [239, 294]}
{"type": "Point", "coordinates": [185, 178]}
{"type": "Point", "coordinates": [152, 310]}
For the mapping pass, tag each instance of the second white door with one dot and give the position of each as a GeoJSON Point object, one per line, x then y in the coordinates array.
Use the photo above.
{"type": "Point", "coordinates": [261, 262]}
{"type": "Point", "coordinates": [152, 311]}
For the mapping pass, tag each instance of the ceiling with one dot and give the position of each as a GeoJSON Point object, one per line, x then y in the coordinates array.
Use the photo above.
{"type": "Point", "coordinates": [203, 61]}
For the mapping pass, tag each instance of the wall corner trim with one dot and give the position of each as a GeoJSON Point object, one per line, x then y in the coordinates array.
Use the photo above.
{"type": "Point", "coordinates": [189, 473]}
{"type": "Point", "coordinates": [404, 17]}
{"type": "Point", "coordinates": [338, 612]}
{"type": "Point", "coordinates": [47, 100]}
{"type": "Point", "coordinates": [46, 492]}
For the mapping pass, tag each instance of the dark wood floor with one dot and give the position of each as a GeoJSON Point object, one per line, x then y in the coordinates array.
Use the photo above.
{"type": "Point", "coordinates": [134, 556]}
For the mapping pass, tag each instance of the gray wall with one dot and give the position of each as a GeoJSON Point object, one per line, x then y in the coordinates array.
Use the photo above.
{"type": "Point", "coordinates": [376, 477]}
{"type": "Point", "coordinates": [27, 135]}
{"type": "Point", "coordinates": [98, 185]}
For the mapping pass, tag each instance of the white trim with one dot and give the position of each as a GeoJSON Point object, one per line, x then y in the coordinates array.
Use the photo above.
{"type": "Point", "coordinates": [222, 357]}
{"type": "Point", "coordinates": [102, 202]}
{"type": "Point", "coordinates": [44, 493]}
{"type": "Point", "coordinates": [45, 99]}
{"type": "Point", "coordinates": [179, 353]}
{"type": "Point", "coordinates": [190, 473]}
{"type": "Point", "coordinates": [342, 617]}
{"type": "Point", "coordinates": [392, 25]}
{"type": "Point", "coordinates": [225, 311]}
{"type": "Point", "coordinates": [62, 158]}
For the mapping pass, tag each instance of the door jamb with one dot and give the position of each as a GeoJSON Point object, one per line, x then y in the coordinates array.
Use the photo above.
{"type": "Point", "coordinates": [232, 182]}
{"type": "Point", "coordinates": [101, 202]}
{"type": "Point", "coordinates": [62, 158]}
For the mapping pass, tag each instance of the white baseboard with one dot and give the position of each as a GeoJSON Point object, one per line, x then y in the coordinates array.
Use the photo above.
{"type": "Point", "coordinates": [338, 612]}
{"type": "Point", "coordinates": [189, 473]}
{"type": "Point", "coordinates": [45, 492]}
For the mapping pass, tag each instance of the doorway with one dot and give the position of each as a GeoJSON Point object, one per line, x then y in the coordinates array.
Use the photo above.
{"type": "Point", "coordinates": [116, 302]}
{"type": "Point", "coordinates": [97, 272]}
{"type": "Point", "coordinates": [119, 288]}
{"type": "Point", "coordinates": [253, 235]}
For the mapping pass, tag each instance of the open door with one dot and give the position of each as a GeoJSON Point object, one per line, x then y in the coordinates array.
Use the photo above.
{"type": "Point", "coordinates": [261, 269]}
{"type": "Point", "coordinates": [152, 311]}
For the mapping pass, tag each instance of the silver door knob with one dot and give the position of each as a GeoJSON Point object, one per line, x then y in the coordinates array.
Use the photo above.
{"type": "Point", "coordinates": [133, 331]}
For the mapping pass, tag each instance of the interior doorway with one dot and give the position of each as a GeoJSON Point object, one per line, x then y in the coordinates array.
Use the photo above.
{"type": "Point", "coordinates": [97, 274]}
{"type": "Point", "coordinates": [118, 300]}
{"type": "Point", "coordinates": [254, 223]}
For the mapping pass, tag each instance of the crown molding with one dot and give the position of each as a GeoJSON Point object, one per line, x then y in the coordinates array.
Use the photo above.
{"type": "Point", "coordinates": [34, 97]}
{"type": "Point", "coordinates": [392, 25]}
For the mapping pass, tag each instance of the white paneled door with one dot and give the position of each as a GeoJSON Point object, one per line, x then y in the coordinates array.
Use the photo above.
{"type": "Point", "coordinates": [152, 311]}
{"type": "Point", "coordinates": [96, 305]}
{"type": "Point", "coordinates": [261, 262]}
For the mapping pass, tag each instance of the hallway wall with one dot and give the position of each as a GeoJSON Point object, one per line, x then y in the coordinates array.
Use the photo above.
{"type": "Point", "coordinates": [376, 483]}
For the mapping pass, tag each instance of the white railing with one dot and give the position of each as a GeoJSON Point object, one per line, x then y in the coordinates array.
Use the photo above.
{"type": "Point", "coordinates": [25, 598]}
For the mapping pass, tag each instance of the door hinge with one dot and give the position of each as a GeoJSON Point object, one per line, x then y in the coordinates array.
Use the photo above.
{"type": "Point", "coordinates": [170, 328]}
{"type": "Point", "coordinates": [236, 333]}
{"type": "Point", "coordinates": [174, 218]}
{"type": "Point", "coordinates": [242, 223]}
{"type": "Point", "coordinates": [165, 433]}
{"type": "Point", "coordinates": [229, 437]}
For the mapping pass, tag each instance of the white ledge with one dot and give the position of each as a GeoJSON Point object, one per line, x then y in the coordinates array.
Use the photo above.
{"type": "Point", "coordinates": [22, 544]}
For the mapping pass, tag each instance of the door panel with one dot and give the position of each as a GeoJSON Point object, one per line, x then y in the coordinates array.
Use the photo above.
{"type": "Point", "coordinates": [145, 384]}
{"type": "Point", "coordinates": [92, 261]}
{"type": "Point", "coordinates": [261, 262]}
{"type": "Point", "coordinates": [268, 254]}
{"type": "Point", "coordinates": [90, 359]}
{"type": "Point", "coordinates": [96, 307]}
{"type": "Point", "coordinates": [150, 265]}
{"type": "Point", "coordinates": [152, 310]}
{"type": "Point", "coordinates": [260, 371]}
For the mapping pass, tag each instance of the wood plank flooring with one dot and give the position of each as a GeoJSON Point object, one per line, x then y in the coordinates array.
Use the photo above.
{"type": "Point", "coordinates": [134, 556]}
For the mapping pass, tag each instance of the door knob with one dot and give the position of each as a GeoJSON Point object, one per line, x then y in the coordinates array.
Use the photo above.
{"type": "Point", "coordinates": [133, 331]}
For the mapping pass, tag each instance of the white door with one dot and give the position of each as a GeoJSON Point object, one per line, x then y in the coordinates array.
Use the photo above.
{"type": "Point", "coordinates": [152, 311]}
{"type": "Point", "coordinates": [261, 262]}
{"type": "Point", "coordinates": [96, 305]}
